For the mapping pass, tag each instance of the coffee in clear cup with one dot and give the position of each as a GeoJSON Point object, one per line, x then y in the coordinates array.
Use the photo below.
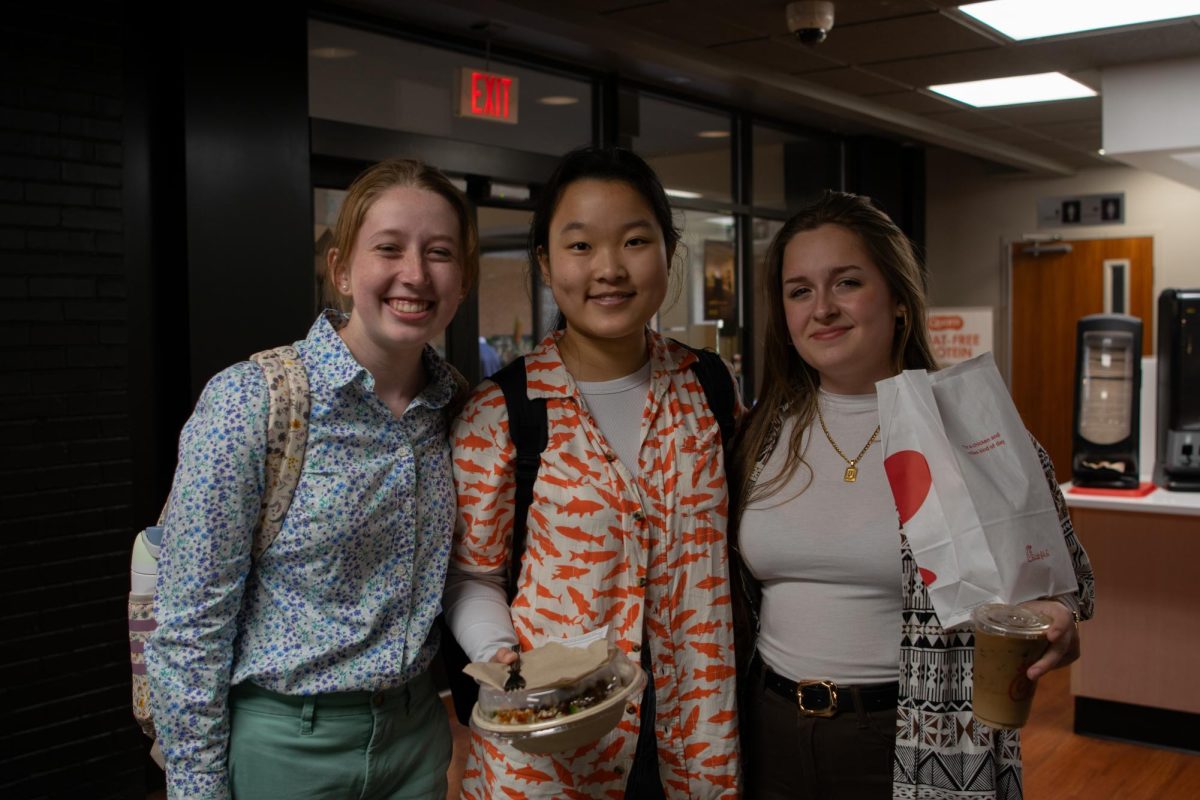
{"type": "Point", "coordinates": [1008, 640]}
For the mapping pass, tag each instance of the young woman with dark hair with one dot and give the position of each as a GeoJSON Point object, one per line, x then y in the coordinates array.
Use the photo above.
{"type": "Point", "coordinates": [626, 528]}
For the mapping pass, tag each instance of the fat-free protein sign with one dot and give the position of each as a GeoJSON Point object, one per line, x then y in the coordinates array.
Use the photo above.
{"type": "Point", "coordinates": [959, 334]}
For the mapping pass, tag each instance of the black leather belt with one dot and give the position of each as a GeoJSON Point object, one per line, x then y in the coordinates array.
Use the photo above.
{"type": "Point", "coordinates": [822, 698]}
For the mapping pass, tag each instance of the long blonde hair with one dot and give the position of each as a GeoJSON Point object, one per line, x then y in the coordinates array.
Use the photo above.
{"type": "Point", "coordinates": [788, 381]}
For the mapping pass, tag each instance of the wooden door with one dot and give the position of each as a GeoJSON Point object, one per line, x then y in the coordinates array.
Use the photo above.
{"type": "Point", "coordinates": [1050, 292]}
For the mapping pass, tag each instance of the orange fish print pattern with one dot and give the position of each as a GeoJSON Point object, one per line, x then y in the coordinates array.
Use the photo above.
{"type": "Point", "coordinates": [643, 554]}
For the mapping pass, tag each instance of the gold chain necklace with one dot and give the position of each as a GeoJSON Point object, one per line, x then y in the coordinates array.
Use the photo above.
{"type": "Point", "coordinates": [851, 473]}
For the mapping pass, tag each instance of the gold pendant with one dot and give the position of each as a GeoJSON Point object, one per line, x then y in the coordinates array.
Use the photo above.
{"type": "Point", "coordinates": [851, 474]}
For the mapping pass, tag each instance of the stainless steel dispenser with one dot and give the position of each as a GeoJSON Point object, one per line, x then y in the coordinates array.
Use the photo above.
{"type": "Point", "coordinates": [1108, 381]}
{"type": "Point", "coordinates": [1177, 466]}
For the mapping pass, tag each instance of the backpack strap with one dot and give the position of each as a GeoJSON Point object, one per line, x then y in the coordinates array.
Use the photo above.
{"type": "Point", "coordinates": [717, 384]}
{"type": "Point", "coordinates": [288, 410]}
{"type": "Point", "coordinates": [529, 431]}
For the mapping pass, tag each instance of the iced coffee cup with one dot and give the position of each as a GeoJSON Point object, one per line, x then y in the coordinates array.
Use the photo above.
{"type": "Point", "coordinates": [1008, 639]}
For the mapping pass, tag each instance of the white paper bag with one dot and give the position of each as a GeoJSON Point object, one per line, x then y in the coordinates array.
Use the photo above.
{"type": "Point", "coordinates": [970, 490]}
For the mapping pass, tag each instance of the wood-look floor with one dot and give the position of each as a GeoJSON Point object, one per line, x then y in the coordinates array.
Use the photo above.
{"type": "Point", "coordinates": [1058, 764]}
{"type": "Point", "coordinates": [1063, 766]}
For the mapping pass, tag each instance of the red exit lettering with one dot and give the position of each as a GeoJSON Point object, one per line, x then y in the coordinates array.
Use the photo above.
{"type": "Point", "coordinates": [490, 95]}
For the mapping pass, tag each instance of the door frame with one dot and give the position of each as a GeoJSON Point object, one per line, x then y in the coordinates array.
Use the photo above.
{"type": "Point", "coordinates": [1004, 317]}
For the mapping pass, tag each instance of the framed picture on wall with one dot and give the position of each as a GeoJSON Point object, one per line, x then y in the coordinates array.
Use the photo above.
{"type": "Point", "coordinates": [720, 284]}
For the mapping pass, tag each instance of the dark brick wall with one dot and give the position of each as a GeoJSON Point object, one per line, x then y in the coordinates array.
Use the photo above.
{"type": "Point", "coordinates": [65, 465]}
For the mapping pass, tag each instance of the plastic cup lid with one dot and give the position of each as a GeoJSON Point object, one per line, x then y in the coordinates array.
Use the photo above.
{"type": "Point", "coordinates": [1015, 621]}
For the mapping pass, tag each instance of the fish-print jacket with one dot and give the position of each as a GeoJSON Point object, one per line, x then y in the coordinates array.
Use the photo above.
{"type": "Point", "coordinates": [642, 552]}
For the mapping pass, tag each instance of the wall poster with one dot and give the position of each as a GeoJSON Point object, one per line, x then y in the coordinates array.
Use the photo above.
{"type": "Point", "coordinates": [720, 285]}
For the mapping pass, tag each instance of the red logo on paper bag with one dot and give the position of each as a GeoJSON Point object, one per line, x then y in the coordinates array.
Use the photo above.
{"type": "Point", "coordinates": [908, 475]}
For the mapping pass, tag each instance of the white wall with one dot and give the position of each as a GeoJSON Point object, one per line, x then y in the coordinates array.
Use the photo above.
{"type": "Point", "coordinates": [971, 212]}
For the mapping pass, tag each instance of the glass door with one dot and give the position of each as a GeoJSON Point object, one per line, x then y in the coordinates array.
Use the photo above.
{"type": "Point", "coordinates": [511, 322]}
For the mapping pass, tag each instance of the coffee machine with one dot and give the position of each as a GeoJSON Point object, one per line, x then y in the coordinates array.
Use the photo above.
{"type": "Point", "coordinates": [1108, 384]}
{"type": "Point", "coordinates": [1177, 466]}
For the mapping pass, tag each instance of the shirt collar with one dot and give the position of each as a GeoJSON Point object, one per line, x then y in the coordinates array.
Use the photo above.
{"type": "Point", "coordinates": [331, 365]}
{"type": "Point", "coordinates": [329, 362]}
{"type": "Point", "coordinates": [445, 382]}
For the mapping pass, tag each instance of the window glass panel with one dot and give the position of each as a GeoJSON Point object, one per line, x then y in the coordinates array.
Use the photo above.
{"type": "Point", "coordinates": [764, 231]}
{"type": "Point", "coordinates": [371, 79]}
{"type": "Point", "coordinates": [702, 305]}
{"type": "Point", "coordinates": [790, 168]}
{"type": "Point", "coordinates": [688, 147]}
{"type": "Point", "coordinates": [506, 319]}
{"type": "Point", "coordinates": [326, 205]}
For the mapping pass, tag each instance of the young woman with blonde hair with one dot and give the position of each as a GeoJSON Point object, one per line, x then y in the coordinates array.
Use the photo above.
{"type": "Point", "coordinates": [302, 672]}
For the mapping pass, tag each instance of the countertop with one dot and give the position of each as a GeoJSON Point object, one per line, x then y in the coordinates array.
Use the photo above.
{"type": "Point", "coordinates": [1159, 501]}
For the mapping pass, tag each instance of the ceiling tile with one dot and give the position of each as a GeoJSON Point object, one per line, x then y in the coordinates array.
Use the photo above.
{"type": "Point", "coordinates": [1083, 109]}
{"type": "Point", "coordinates": [902, 37]}
{"type": "Point", "coordinates": [774, 55]}
{"type": "Point", "coordinates": [913, 102]}
{"type": "Point", "coordinates": [996, 62]}
{"type": "Point", "coordinates": [1079, 134]}
{"type": "Point", "coordinates": [849, 80]}
{"type": "Point", "coordinates": [608, 6]}
{"type": "Point", "coordinates": [870, 10]}
{"type": "Point", "coordinates": [679, 21]}
{"type": "Point", "coordinates": [967, 120]}
{"type": "Point", "coordinates": [1017, 136]}
{"type": "Point", "coordinates": [769, 17]}
{"type": "Point", "coordinates": [1078, 158]}
{"type": "Point", "coordinates": [1153, 43]}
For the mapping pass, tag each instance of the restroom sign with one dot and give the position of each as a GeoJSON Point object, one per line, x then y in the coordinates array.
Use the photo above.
{"type": "Point", "coordinates": [487, 95]}
{"type": "Point", "coordinates": [957, 334]}
{"type": "Point", "coordinates": [1088, 209]}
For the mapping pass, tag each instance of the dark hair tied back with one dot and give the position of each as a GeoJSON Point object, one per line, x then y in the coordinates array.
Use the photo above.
{"type": "Point", "coordinates": [600, 164]}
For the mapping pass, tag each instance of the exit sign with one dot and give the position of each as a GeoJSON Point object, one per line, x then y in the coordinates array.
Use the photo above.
{"type": "Point", "coordinates": [487, 95]}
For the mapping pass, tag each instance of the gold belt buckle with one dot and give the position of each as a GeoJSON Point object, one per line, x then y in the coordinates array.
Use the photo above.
{"type": "Point", "coordinates": [830, 687]}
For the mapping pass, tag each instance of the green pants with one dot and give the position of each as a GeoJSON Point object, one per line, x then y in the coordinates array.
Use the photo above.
{"type": "Point", "coordinates": [392, 745]}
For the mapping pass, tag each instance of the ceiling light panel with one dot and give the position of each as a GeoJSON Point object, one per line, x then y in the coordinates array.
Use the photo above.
{"type": "Point", "coordinates": [1041, 88]}
{"type": "Point", "coordinates": [1036, 19]}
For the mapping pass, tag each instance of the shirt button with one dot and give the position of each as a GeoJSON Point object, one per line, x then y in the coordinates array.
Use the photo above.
{"type": "Point", "coordinates": [639, 516]}
{"type": "Point", "coordinates": [631, 709]}
{"type": "Point", "coordinates": [637, 648]}
{"type": "Point", "coordinates": [619, 769]}
{"type": "Point", "coordinates": [610, 456]}
{"type": "Point", "coordinates": [641, 583]}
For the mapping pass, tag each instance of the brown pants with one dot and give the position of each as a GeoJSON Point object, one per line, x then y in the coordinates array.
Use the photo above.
{"type": "Point", "coordinates": [788, 755]}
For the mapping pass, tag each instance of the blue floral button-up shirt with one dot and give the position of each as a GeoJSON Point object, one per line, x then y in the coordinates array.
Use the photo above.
{"type": "Point", "coordinates": [346, 595]}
